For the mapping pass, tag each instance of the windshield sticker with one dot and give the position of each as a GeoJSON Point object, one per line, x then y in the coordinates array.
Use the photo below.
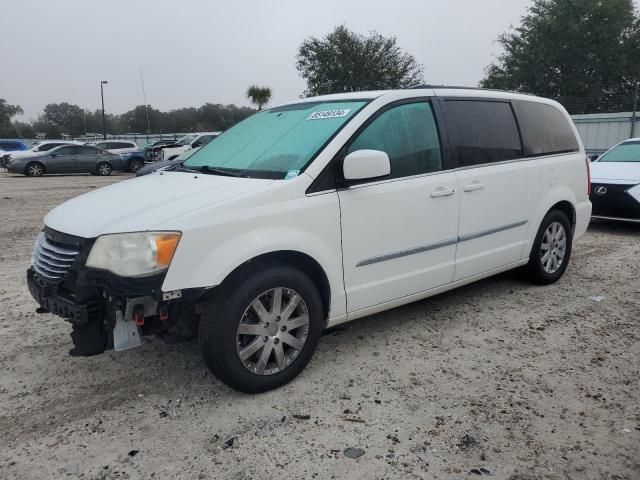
{"type": "Point", "coordinates": [329, 114]}
{"type": "Point", "coordinates": [292, 174]}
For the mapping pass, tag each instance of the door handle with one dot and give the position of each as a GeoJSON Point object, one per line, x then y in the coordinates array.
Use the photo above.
{"type": "Point", "coordinates": [442, 192]}
{"type": "Point", "coordinates": [473, 186]}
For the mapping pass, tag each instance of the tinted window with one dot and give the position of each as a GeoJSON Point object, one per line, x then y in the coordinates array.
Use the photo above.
{"type": "Point", "coordinates": [47, 146]}
{"type": "Point", "coordinates": [66, 151]}
{"type": "Point", "coordinates": [545, 129]}
{"type": "Point", "coordinates": [408, 134]}
{"type": "Point", "coordinates": [120, 145]}
{"type": "Point", "coordinates": [87, 150]}
{"type": "Point", "coordinates": [482, 131]}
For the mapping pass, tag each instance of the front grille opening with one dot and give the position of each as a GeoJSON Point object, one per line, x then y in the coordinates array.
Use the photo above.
{"type": "Point", "coordinates": [52, 260]}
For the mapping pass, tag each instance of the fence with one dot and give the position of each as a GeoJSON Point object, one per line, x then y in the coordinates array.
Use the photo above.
{"type": "Point", "coordinates": [601, 131]}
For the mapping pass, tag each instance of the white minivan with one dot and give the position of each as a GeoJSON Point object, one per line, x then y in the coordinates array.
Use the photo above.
{"type": "Point", "coordinates": [315, 213]}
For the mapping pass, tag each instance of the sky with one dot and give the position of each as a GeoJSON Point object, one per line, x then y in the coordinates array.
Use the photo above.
{"type": "Point", "coordinates": [197, 51]}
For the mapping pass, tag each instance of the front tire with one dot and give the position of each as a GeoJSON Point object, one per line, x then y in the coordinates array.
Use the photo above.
{"type": "Point", "coordinates": [104, 169]}
{"type": "Point", "coordinates": [260, 332]}
{"type": "Point", "coordinates": [135, 164]}
{"type": "Point", "coordinates": [34, 169]}
{"type": "Point", "coordinates": [551, 249]}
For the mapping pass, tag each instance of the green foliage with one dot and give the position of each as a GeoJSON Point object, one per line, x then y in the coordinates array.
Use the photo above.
{"type": "Point", "coordinates": [345, 61]}
{"type": "Point", "coordinates": [259, 96]}
{"type": "Point", "coordinates": [586, 53]}
{"type": "Point", "coordinates": [8, 111]}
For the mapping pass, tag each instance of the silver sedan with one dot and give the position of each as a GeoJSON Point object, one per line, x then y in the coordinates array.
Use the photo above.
{"type": "Point", "coordinates": [68, 159]}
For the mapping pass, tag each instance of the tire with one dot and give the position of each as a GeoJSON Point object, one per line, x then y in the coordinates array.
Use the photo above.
{"type": "Point", "coordinates": [135, 164]}
{"type": "Point", "coordinates": [547, 264]}
{"type": "Point", "coordinates": [34, 169]}
{"type": "Point", "coordinates": [104, 169]}
{"type": "Point", "coordinates": [231, 312]}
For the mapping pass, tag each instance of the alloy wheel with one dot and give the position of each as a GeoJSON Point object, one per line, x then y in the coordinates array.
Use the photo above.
{"type": "Point", "coordinates": [35, 170]}
{"type": "Point", "coordinates": [273, 331]}
{"type": "Point", "coordinates": [553, 248]}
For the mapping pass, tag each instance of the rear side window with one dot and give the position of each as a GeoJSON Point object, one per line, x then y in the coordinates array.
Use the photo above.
{"type": "Point", "coordinates": [482, 131]}
{"type": "Point", "coordinates": [545, 130]}
{"type": "Point", "coordinates": [87, 150]}
{"type": "Point", "coordinates": [408, 134]}
{"type": "Point", "coordinates": [67, 151]}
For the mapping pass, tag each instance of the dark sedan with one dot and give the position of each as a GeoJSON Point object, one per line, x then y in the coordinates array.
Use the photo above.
{"type": "Point", "coordinates": [68, 159]}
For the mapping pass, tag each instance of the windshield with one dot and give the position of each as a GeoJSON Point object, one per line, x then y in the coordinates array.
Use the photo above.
{"type": "Point", "coordinates": [625, 152]}
{"type": "Point", "coordinates": [186, 140]}
{"type": "Point", "coordinates": [277, 143]}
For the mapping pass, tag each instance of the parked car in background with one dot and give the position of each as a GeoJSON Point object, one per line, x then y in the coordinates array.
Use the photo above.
{"type": "Point", "coordinates": [133, 161]}
{"type": "Point", "coordinates": [67, 159]}
{"type": "Point", "coordinates": [12, 145]}
{"type": "Point", "coordinates": [315, 213]}
{"type": "Point", "coordinates": [116, 146]}
{"type": "Point", "coordinates": [36, 148]}
{"type": "Point", "coordinates": [615, 183]}
{"type": "Point", "coordinates": [152, 150]}
{"type": "Point", "coordinates": [165, 164]}
{"type": "Point", "coordinates": [186, 143]}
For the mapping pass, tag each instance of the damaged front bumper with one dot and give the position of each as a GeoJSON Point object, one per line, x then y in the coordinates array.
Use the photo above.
{"type": "Point", "coordinates": [106, 311]}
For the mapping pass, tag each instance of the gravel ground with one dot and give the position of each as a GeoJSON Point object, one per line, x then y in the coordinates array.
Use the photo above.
{"type": "Point", "coordinates": [525, 382]}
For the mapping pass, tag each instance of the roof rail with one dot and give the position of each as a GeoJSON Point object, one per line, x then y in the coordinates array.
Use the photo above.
{"type": "Point", "coordinates": [460, 87]}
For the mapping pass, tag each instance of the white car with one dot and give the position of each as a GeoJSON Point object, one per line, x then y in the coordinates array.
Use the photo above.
{"type": "Point", "coordinates": [312, 214]}
{"type": "Point", "coordinates": [186, 143]}
{"type": "Point", "coordinates": [615, 183]}
{"type": "Point", "coordinates": [117, 146]}
{"type": "Point", "coordinates": [39, 147]}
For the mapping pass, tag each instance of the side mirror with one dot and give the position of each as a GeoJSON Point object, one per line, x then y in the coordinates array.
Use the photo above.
{"type": "Point", "coordinates": [593, 158]}
{"type": "Point", "coordinates": [365, 165]}
{"type": "Point", "coordinates": [196, 144]}
{"type": "Point", "coordinates": [52, 155]}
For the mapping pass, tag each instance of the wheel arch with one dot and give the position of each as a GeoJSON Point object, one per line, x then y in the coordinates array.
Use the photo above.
{"type": "Point", "coordinates": [295, 259]}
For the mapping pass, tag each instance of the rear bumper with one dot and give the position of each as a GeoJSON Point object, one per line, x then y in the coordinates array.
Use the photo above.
{"type": "Point", "coordinates": [583, 215]}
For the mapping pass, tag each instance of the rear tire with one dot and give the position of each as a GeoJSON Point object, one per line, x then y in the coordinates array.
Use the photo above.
{"type": "Point", "coordinates": [104, 169]}
{"type": "Point", "coordinates": [254, 352]}
{"type": "Point", "coordinates": [551, 249]}
{"type": "Point", "coordinates": [34, 169]}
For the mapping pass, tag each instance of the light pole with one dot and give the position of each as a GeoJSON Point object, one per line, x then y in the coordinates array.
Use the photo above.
{"type": "Point", "coordinates": [104, 125]}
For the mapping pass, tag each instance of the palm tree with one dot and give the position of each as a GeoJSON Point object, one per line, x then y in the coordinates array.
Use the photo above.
{"type": "Point", "coordinates": [259, 95]}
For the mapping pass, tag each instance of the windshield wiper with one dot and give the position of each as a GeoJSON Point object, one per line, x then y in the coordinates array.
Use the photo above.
{"type": "Point", "coordinates": [219, 171]}
{"type": "Point", "coordinates": [179, 167]}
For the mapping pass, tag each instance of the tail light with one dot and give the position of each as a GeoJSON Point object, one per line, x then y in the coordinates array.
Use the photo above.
{"type": "Point", "coordinates": [588, 176]}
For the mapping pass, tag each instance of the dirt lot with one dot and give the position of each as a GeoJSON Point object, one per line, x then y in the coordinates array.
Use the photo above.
{"type": "Point", "coordinates": [525, 382]}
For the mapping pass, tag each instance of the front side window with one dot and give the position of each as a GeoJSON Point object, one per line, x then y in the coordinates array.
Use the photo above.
{"type": "Point", "coordinates": [625, 152]}
{"type": "Point", "coordinates": [408, 135]}
{"type": "Point", "coordinates": [66, 151]}
{"type": "Point", "coordinates": [275, 143]}
{"type": "Point", "coordinates": [46, 147]}
{"type": "Point", "coordinates": [482, 132]}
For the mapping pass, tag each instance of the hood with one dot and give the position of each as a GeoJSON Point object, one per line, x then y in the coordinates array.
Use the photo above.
{"type": "Point", "coordinates": [142, 203]}
{"type": "Point", "coordinates": [615, 172]}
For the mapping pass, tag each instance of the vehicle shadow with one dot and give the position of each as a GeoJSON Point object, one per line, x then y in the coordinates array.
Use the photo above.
{"type": "Point", "coordinates": [615, 228]}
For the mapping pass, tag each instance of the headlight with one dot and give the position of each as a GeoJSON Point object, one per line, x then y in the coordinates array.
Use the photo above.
{"type": "Point", "coordinates": [134, 254]}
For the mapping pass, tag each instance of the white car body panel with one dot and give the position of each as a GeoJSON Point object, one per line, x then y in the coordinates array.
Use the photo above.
{"type": "Point", "coordinates": [226, 222]}
{"type": "Point", "coordinates": [615, 172]}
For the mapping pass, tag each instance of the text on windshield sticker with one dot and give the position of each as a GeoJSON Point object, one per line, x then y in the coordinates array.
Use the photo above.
{"type": "Point", "coordinates": [329, 114]}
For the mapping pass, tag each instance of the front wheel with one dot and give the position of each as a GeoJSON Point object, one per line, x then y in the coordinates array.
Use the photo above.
{"type": "Point", "coordinates": [104, 169]}
{"type": "Point", "coordinates": [34, 169]}
{"type": "Point", "coordinates": [135, 164]}
{"type": "Point", "coordinates": [261, 332]}
{"type": "Point", "coordinates": [551, 249]}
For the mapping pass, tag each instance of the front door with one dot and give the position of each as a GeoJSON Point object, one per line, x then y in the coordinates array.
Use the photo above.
{"type": "Point", "coordinates": [62, 160]}
{"type": "Point", "coordinates": [399, 234]}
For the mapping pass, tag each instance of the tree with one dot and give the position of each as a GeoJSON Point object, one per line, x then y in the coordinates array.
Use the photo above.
{"type": "Point", "coordinates": [7, 111]}
{"type": "Point", "coordinates": [345, 61]}
{"type": "Point", "coordinates": [66, 117]}
{"type": "Point", "coordinates": [585, 53]}
{"type": "Point", "coordinates": [259, 95]}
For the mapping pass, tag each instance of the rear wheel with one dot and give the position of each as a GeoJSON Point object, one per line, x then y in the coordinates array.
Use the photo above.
{"type": "Point", "coordinates": [34, 169]}
{"type": "Point", "coordinates": [261, 332]}
{"type": "Point", "coordinates": [135, 164]}
{"type": "Point", "coordinates": [551, 249]}
{"type": "Point", "coordinates": [104, 169]}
